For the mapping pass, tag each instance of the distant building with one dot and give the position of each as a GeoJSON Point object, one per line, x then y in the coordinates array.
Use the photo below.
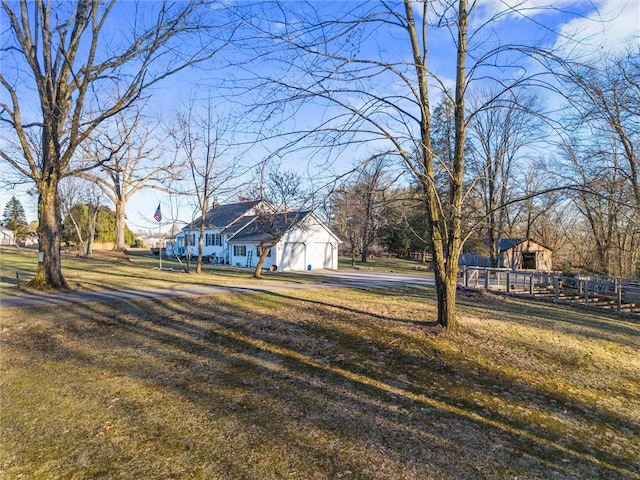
{"type": "Point", "coordinates": [515, 254]}
{"type": "Point", "coordinates": [31, 239]}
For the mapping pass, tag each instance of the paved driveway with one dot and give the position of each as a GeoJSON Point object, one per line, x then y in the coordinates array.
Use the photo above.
{"type": "Point", "coordinates": [367, 279]}
{"type": "Point", "coordinates": [326, 279]}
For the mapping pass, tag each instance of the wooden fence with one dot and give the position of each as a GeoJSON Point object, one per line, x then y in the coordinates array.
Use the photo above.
{"type": "Point", "coordinates": [603, 292]}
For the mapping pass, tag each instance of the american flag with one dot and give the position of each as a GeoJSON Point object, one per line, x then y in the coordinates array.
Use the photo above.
{"type": "Point", "coordinates": [158, 215]}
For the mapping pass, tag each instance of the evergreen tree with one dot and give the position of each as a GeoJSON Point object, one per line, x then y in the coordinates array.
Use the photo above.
{"type": "Point", "coordinates": [14, 217]}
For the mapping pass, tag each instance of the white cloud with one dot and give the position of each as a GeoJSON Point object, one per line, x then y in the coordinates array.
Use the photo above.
{"type": "Point", "coordinates": [611, 28]}
{"type": "Point", "coordinates": [513, 9]}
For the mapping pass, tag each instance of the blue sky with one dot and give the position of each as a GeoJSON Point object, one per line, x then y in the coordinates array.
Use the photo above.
{"type": "Point", "coordinates": [598, 27]}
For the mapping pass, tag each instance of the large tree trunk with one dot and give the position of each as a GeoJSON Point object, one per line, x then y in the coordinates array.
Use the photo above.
{"type": "Point", "coordinates": [200, 246]}
{"type": "Point", "coordinates": [93, 212]}
{"type": "Point", "coordinates": [446, 287]}
{"type": "Point", "coordinates": [49, 272]}
{"type": "Point", "coordinates": [446, 281]}
{"type": "Point", "coordinates": [121, 225]}
{"type": "Point", "coordinates": [494, 248]}
{"type": "Point", "coordinates": [365, 253]}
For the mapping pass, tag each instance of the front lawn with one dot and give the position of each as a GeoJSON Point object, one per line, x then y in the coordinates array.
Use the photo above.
{"type": "Point", "coordinates": [139, 270]}
{"type": "Point", "coordinates": [318, 384]}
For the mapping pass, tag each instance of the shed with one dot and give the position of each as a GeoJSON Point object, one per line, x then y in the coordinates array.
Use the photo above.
{"type": "Point", "coordinates": [525, 254]}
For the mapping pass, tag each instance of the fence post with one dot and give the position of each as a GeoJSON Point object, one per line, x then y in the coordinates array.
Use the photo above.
{"type": "Point", "coordinates": [619, 296]}
{"type": "Point", "coordinates": [586, 292]}
{"type": "Point", "coordinates": [556, 288]}
{"type": "Point", "coordinates": [531, 284]}
{"type": "Point", "coordinates": [509, 282]}
{"type": "Point", "coordinates": [486, 279]}
{"type": "Point", "coordinates": [465, 276]}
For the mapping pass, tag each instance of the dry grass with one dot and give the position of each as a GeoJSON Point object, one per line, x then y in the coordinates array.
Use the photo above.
{"type": "Point", "coordinates": [317, 385]}
{"type": "Point", "coordinates": [138, 270]}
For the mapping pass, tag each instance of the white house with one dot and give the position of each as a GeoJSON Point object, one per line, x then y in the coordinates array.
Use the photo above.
{"type": "Point", "coordinates": [6, 236]}
{"type": "Point", "coordinates": [234, 233]}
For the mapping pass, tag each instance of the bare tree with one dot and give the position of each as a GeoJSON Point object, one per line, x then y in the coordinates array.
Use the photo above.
{"type": "Point", "coordinates": [602, 123]}
{"type": "Point", "coordinates": [346, 217]}
{"type": "Point", "coordinates": [138, 160]}
{"type": "Point", "coordinates": [61, 52]}
{"type": "Point", "coordinates": [372, 93]}
{"type": "Point", "coordinates": [607, 205]}
{"type": "Point", "coordinates": [93, 199]}
{"type": "Point", "coordinates": [71, 195]}
{"type": "Point", "coordinates": [605, 98]}
{"type": "Point", "coordinates": [498, 133]}
{"type": "Point", "coordinates": [81, 205]}
{"type": "Point", "coordinates": [204, 141]}
{"type": "Point", "coordinates": [282, 199]}
{"type": "Point", "coordinates": [358, 207]}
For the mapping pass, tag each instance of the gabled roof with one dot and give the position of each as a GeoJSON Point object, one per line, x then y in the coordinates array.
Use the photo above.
{"type": "Point", "coordinates": [266, 228]}
{"type": "Point", "coordinates": [238, 225]}
{"type": "Point", "coordinates": [223, 216]}
{"type": "Point", "coordinates": [508, 243]}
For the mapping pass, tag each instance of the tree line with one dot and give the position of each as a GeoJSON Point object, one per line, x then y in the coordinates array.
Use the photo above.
{"type": "Point", "coordinates": [579, 199]}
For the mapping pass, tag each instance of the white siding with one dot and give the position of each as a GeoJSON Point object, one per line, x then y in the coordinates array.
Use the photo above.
{"type": "Point", "coordinates": [320, 247]}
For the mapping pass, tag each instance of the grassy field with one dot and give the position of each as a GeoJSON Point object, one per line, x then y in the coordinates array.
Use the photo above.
{"type": "Point", "coordinates": [135, 270]}
{"type": "Point", "coordinates": [318, 384]}
{"type": "Point", "coordinates": [384, 264]}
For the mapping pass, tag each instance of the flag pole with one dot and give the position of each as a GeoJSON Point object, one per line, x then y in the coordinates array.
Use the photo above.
{"type": "Point", "coordinates": [158, 218]}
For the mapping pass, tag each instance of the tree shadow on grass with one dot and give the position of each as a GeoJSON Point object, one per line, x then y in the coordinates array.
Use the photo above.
{"type": "Point", "coordinates": [351, 310]}
{"type": "Point", "coordinates": [284, 385]}
{"type": "Point", "coordinates": [350, 341]}
{"type": "Point", "coordinates": [575, 321]}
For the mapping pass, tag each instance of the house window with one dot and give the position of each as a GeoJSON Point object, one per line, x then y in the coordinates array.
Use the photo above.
{"type": "Point", "coordinates": [212, 239]}
{"type": "Point", "coordinates": [240, 250]}
{"type": "Point", "coordinates": [259, 251]}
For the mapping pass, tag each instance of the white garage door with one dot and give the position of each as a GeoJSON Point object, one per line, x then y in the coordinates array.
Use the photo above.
{"type": "Point", "coordinates": [320, 255]}
{"type": "Point", "coordinates": [293, 257]}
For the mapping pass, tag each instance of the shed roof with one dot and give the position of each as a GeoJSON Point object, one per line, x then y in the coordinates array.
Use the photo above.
{"type": "Point", "coordinates": [508, 243]}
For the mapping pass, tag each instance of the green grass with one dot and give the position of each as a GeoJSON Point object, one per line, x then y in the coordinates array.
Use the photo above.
{"type": "Point", "coordinates": [318, 384]}
{"type": "Point", "coordinates": [384, 264]}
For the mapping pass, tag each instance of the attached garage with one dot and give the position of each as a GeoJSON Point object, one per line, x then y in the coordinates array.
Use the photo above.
{"type": "Point", "coordinates": [299, 240]}
{"type": "Point", "coordinates": [320, 255]}
{"type": "Point", "coordinates": [293, 256]}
